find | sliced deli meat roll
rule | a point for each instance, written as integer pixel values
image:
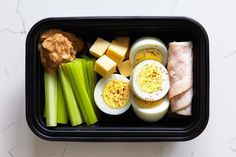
(182, 100)
(185, 111)
(180, 65)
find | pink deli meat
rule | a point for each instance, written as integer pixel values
(182, 100)
(180, 71)
(185, 111)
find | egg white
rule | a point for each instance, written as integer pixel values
(149, 96)
(148, 42)
(151, 114)
(101, 104)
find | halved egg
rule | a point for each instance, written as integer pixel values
(150, 80)
(150, 111)
(113, 95)
(148, 48)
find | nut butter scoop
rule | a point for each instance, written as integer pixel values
(58, 47)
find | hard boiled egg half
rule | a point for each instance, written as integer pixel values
(148, 48)
(150, 111)
(150, 80)
(113, 95)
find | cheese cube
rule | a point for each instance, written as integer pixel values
(99, 47)
(125, 68)
(116, 51)
(105, 66)
(125, 41)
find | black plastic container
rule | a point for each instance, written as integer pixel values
(126, 127)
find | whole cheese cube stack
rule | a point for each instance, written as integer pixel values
(105, 66)
(125, 41)
(125, 68)
(116, 51)
(99, 47)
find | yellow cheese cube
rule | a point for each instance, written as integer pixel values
(99, 47)
(125, 41)
(125, 68)
(116, 51)
(105, 66)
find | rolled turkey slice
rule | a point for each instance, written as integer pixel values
(182, 100)
(180, 67)
(185, 111)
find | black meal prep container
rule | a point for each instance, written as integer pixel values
(126, 127)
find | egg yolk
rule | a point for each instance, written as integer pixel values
(147, 104)
(116, 93)
(148, 54)
(150, 78)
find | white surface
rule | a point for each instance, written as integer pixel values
(218, 18)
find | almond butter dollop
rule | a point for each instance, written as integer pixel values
(57, 46)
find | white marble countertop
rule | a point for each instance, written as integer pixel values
(218, 18)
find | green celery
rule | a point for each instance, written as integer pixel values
(74, 70)
(86, 78)
(92, 81)
(62, 115)
(50, 84)
(91, 74)
(84, 56)
(72, 107)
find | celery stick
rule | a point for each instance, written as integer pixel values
(62, 115)
(84, 56)
(86, 78)
(72, 107)
(92, 80)
(92, 75)
(90, 91)
(74, 70)
(50, 84)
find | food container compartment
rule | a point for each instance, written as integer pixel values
(126, 127)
